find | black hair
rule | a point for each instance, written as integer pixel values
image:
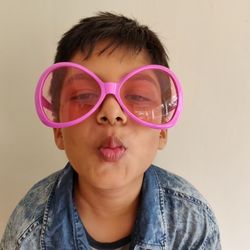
(118, 30)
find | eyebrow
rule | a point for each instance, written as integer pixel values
(144, 76)
(77, 76)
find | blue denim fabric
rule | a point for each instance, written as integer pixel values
(172, 215)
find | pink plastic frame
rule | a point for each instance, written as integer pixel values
(106, 88)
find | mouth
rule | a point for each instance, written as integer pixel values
(112, 149)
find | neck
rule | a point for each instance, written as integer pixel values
(108, 215)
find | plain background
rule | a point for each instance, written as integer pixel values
(208, 42)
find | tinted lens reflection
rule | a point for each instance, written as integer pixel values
(151, 96)
(68, 94)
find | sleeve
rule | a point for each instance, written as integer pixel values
(212, 242)
(8, 241)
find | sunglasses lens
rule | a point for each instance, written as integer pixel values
(69, 93)
(151, 96)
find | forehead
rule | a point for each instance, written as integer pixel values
(113, 63)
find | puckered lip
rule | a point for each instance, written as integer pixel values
(111, 149)
(111, 142)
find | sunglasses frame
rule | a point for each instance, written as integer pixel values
(106, 88)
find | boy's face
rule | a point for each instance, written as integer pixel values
(110, 150)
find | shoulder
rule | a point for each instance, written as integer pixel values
(190, 214)
(28, 214)
(177, 186)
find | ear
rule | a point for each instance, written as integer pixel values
(163, 139)
(58, 137)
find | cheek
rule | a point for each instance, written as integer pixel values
(153, 138)
(153, 144)
(77, 135)
(146, 146)
(75, 142)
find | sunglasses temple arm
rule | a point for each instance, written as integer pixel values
(46, 104)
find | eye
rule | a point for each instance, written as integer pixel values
(137, 98)
(85, 98)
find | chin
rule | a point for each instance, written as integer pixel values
(109, 185)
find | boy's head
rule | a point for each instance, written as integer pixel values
(107, 75)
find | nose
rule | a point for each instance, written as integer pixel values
(111, 112)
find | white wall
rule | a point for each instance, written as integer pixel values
(209, 46)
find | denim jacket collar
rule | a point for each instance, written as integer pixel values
(60, 212)
(150, 224)
(58, 216)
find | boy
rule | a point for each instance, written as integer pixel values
(110, 99)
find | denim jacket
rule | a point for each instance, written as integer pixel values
(171, 215)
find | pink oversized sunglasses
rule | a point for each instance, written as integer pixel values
(68, 93)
